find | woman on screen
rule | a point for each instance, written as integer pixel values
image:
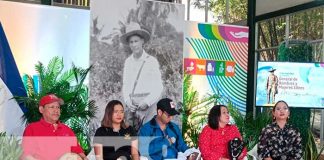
(279, 140)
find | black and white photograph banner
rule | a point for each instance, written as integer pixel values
(136, 50)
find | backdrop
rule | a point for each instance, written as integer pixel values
(164, 21)
(216, 57)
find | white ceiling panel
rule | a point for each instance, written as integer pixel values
(267, 6)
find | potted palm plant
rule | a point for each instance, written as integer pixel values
(195, 111)
(67, 84)
(250, 127)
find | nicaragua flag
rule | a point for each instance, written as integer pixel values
(10, 84)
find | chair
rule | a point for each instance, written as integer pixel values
(254, 153)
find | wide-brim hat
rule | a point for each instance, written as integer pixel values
(272, 70)
(134, 29)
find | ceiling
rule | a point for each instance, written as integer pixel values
(267, 6)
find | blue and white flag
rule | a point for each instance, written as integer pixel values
(10, 85)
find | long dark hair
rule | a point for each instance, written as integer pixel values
(213, 116)
(109, 111)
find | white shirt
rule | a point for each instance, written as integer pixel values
(149, 80)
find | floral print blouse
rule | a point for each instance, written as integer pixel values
(280, 144)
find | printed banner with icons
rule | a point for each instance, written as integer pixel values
(217, 56)
(209, 67)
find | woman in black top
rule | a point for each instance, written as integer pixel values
(279, 140)
(114, 138)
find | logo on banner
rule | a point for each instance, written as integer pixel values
(220, 68)
(210, 67)
(189, 66)
(201, 67)
(230, 69)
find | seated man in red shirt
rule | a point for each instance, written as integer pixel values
(48, 138)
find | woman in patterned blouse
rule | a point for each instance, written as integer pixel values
(279, 140)
(214, 138)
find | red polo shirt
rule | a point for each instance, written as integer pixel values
(43, 142)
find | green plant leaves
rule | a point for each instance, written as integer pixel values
(310, 150)
(195, 111)
(250, 127)
(10, 148)
(69, 85)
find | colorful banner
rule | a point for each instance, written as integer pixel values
(216, 57)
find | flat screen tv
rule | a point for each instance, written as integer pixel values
(299, 84)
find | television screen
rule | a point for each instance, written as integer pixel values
(299, 84)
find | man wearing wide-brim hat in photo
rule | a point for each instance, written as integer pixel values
(134, 29)
(272, 70)
(272, 86)
(48, 138)
(142, 82)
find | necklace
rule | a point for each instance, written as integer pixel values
(236, 155)
(236, 148)
(223, 131)
(222, 128)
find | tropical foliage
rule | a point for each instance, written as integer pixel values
(237, 9)
(10, 148)
(305, 25)
(195, 111)
(295, 51)
(310, 149)
(68, 85)
(250, 127)
(320, 156)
